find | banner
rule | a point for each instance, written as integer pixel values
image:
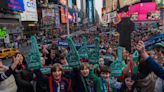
(154, 40)
(73, 57)
(30, 13)
(65, 44)
(90, 12)
(33, 58)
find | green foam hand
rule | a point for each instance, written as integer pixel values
(135, 59)
(119, 53)
(94, 55)
(83, 51)
(73, 57)
(116, 68)
(117, 65)
(33, 58)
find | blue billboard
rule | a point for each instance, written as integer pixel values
(16, 5)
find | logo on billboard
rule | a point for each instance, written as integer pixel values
(31, 4)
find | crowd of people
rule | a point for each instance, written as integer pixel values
(86, 77)
(89, 77)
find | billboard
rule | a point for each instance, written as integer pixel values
(90, 12)
(127, 2)
(48, 17)
(16, 5)
(30, 13)
(78, 3)
(57, 17)
(63, 15)
(70, 4)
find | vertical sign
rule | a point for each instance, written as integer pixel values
(78, 3)
(90, 11)
(63, 15)
(70, 4)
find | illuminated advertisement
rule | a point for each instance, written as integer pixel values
(63, 15)
(30, 13)
(90, 11)
(16, 5)
(48, 17)
(127, 2)
(78, 2)
(70, 4)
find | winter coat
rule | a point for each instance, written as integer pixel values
(50, 85)
(147, 84)
(155, 67)
(8, 85)
(83, 84)
(23, 80)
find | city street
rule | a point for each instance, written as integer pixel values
(23, 49)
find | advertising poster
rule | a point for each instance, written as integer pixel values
(70, 4)
(30, 13)
(57, 18)
(48, 17)
(16, 5)
(78, 3)
(90, 11)
(63, 15)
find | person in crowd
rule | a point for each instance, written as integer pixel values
(63, 60)
(100, 65)
(155, 67)
(128, 85)
(53, 56)
(54, 83)
(107, 83)
(7, 80)
(84, 80)
(22, 75)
